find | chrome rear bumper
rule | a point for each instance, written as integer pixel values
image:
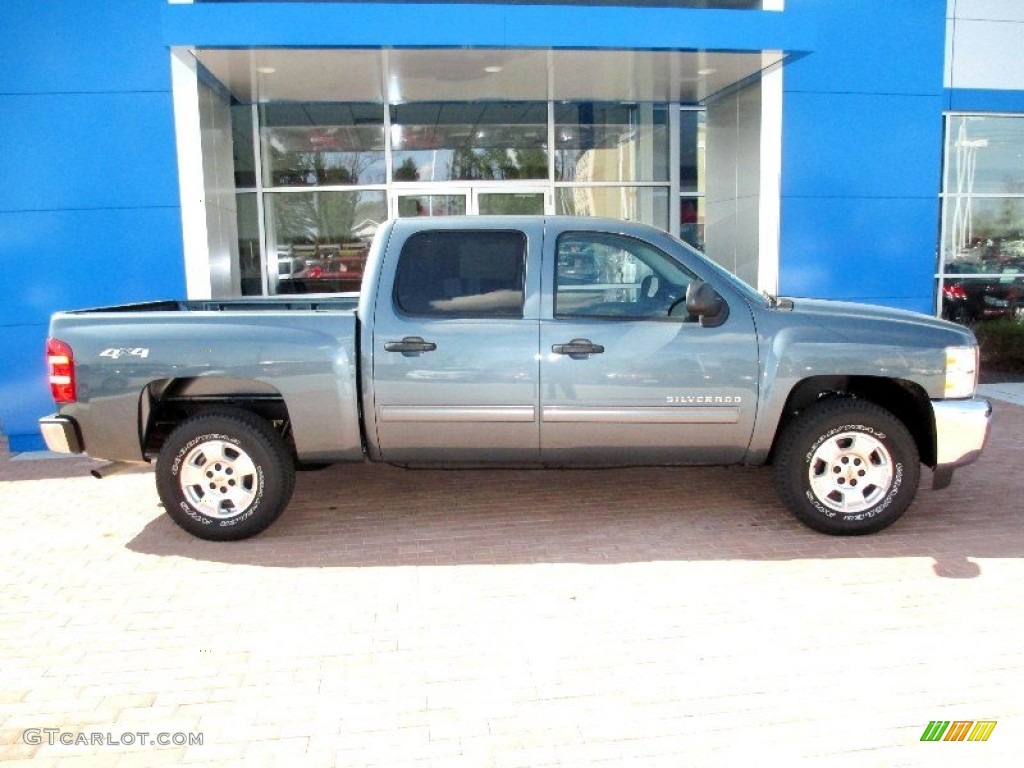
(61, 434)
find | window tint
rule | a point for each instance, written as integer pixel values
(462, 274)
(606, 275)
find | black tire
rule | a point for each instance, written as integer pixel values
(224, 475)
(847, 467)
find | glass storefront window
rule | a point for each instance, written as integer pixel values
(321, 171)
(510, 203)
(249, 269)
(242, 146)
(648, 205)
(597, 141)
(691, 221)
(440, 141)
(431, 205)
(984, 155)
(692, 131)
(981, 259)
(691, 151)
(318, 241)
(986, 232)
(322, 144)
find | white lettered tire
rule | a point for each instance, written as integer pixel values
(847, 467)
(224, 475)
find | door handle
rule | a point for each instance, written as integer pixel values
(577, 349)
(410, 345)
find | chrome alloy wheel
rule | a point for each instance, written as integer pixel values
(850, 472)
(219, 479)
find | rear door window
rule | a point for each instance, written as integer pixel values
(444, 273)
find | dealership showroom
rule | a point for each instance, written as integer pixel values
(155, 149)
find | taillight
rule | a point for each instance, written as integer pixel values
(954, 292)
(62, 371)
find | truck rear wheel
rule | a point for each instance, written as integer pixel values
(224, 475)
(847, 467)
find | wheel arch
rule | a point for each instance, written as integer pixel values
(166, 403)
(905, 400)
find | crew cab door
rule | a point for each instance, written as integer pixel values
(455, 373)
(622, 381)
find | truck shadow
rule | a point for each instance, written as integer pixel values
(380, 516)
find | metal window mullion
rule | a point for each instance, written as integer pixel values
(979, 275)
(982, 195)
(674, 148)
(551, 137)
(261, 217)
(389, 160)
(981, 114)
(658, 184)
(330, 188)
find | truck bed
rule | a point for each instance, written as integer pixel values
(313, 302)
(300, 350)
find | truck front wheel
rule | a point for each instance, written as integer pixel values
(847, 467)
(224, 475)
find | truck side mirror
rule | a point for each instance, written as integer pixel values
(705, 303)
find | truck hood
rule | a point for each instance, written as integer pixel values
(860, 322)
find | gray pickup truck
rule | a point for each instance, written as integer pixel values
(519, 341)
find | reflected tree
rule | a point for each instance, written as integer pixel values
(407, 171)
(497, 164)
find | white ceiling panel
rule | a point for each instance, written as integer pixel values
(488, 74)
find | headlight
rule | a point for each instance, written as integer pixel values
(961, 371)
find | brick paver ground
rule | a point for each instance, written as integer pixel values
(647, 617)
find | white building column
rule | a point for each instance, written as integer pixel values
(202, 123)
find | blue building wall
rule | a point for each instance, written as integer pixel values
(862, 153)
(89, 208)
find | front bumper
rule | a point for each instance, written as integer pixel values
(961, 431)
(61, 434)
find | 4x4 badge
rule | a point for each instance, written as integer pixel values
(116, 352)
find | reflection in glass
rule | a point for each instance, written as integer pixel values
(984, 155)
(691, 221)
(316, 239)
(322, 144)
(249, 269)
(242, 146)
(431, 205)
(983, 233)
(606, 275)
(320, 240)
(648, 205)
(441, 141)
(691, 151)
(598, 141)
(970, 299)
(983, 249)
(510, 203)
